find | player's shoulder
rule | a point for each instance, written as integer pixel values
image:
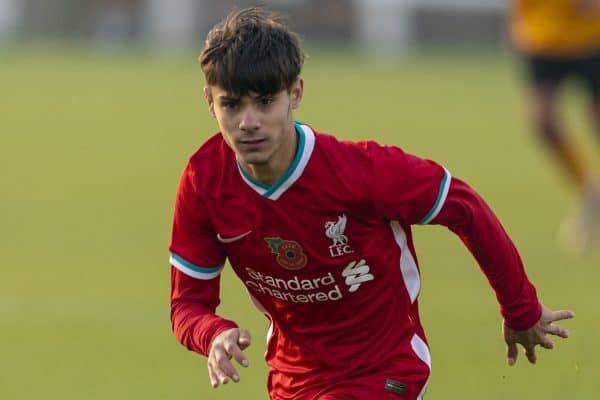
(213, 149)
(201, 164)
(361, 150)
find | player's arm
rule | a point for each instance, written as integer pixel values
(526, 321)
(414, 190)
(193, 306)
(197, 260)
(197, 327)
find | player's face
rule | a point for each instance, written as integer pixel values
(259, 128)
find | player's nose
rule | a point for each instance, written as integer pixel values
(249, 120)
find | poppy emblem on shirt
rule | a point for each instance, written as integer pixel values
(290, 255)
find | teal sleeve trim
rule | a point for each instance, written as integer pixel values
(439, 201)
(193, 267)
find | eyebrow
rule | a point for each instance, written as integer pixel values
(229, 98)
(239, 98)
(262, 96)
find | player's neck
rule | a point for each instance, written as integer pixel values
(271, 171)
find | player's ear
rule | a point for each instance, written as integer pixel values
(296, 92)
(209, 99)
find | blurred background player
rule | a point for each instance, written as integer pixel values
(560, 39)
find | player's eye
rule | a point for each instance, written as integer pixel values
(265, 101)
(230, 105)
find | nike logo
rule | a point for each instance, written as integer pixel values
(233, 238)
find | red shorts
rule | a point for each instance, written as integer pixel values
(403, 377)
(375, 388)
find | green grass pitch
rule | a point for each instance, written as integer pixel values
(91, 147)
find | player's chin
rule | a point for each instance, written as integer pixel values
(254, 157)
(254, 160)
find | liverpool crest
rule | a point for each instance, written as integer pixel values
(334, 230)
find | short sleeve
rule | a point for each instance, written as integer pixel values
(194, 249)
(406, 187)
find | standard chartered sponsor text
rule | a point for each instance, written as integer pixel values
(296, 290)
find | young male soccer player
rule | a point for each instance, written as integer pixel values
(559, 39)
(319, 232)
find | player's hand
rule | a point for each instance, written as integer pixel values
(536, 335)
(227, 345)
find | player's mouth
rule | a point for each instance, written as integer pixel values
(252, 144)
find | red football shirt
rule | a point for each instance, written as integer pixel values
(327, 255)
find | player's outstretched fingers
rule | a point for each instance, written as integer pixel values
(530, 353)
(231, 350)
(236, 352)
(225, 369)
(227, 345)
(223, 378)
(214, 379)
(511, 353)
(244, 339)
(217, 375)
(557, 331)
(547, 344)
(562, 314)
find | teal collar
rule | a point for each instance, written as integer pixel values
(306, 143)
